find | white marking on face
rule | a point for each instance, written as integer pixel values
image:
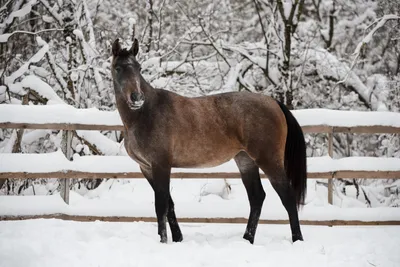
(138, 103)
(137, 80)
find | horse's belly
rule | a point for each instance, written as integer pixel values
(199, 164)
(203, 160)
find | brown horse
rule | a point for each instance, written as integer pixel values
(164, 130)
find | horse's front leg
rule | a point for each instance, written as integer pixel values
(161, 180)
(173, 223)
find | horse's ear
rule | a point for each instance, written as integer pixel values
(135, 48)
(116, 47)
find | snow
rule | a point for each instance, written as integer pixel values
(64, 114)
(230, 84)
(48, 243)
(92, 39)
(87, 50)
(57, 114)
(257, 60)
(53, 11)
(327, 164)
(344, 118)
(131, 25)
(4, 37)
(328, 65)
(79, 34)
(8, 147)
(26, 9)
(32, 136)
(103, 144)
(380, 23)
(37, 163)
(287, 7)
(132, 22)
(34, 59)
(98, 79)
(38, 85)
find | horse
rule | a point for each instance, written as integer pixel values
(163, 130)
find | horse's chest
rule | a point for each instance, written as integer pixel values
(135, 150)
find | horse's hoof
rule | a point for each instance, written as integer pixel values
(163, 239)
(177, 238)
(297, 238)
(249, 238)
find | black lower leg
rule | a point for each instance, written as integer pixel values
(256, 196)
(255, 192)
(160, 183)
(287, 196)
(161, 203)
(252, 224)
(173, 223)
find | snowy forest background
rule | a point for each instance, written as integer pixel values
(332, 54)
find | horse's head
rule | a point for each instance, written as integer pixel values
(126, 74)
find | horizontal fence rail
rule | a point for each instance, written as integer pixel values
(196, 175)
(239, 220)
(68, 118)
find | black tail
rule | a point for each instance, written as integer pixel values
(295, 156)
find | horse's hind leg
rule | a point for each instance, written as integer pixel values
(172, 221)
(255, 192)
(281, 184)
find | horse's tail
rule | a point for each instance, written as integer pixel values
(295, 156)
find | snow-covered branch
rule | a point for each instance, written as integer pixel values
(379, 24)
(4, 37)
(34, 59)
(329, 66)
(53, 12)
(18, 12)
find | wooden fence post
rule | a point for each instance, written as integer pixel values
(66, 147)
(330, 180)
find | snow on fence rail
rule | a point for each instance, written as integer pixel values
(64, 117)
(50, 165)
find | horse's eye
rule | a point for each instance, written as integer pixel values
(118, 68)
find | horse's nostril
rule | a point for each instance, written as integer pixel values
(136, 97)
(133, 97)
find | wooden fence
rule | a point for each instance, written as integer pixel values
(66, 175)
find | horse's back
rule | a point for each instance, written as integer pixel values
(254, 112)
(210, 130)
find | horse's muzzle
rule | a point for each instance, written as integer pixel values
(136, 100)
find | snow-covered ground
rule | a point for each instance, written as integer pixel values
(50, 243)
